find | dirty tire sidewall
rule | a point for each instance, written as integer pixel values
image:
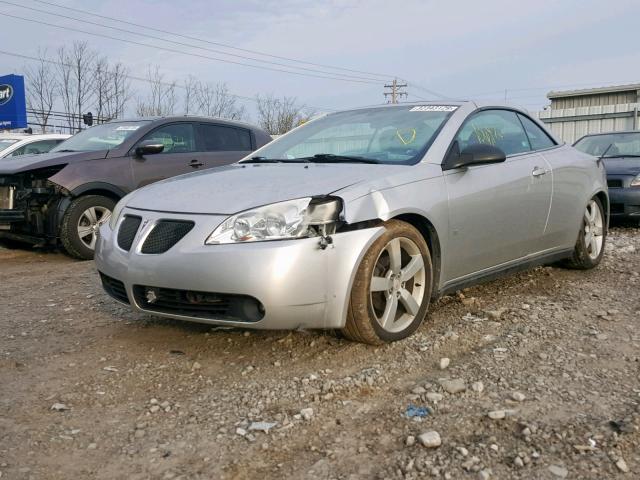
(69, 237)
(580, 258)
(361, 324)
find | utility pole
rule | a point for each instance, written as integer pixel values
(396, 94)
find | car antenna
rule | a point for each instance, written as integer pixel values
(599, 161)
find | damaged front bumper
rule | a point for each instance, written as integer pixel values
(285, 284)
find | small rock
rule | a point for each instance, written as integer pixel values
(497, 414)
(518, 462)
(456, 385)
(518, 397)
(307, 413)
(154, 409)
(418, 390)
(477, 387)
(495, 314)
(241, 431)
(434, 397)
(59, 407)
(543, 356)
(558, 471)
(484, 474)
(410, 441)
(444, 363)
(92, 446)
(430, 439)
(622, 465)
(463, 451)
(262, 426)
(196, 366)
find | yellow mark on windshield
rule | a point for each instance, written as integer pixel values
(411, 133)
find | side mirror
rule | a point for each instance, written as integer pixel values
(148, 147)
(478, 154)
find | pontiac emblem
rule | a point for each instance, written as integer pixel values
(151, 295)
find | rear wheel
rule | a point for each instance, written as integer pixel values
(80, 224)
(591, 239)
(392, 289)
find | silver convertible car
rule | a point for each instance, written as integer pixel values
(356, 220)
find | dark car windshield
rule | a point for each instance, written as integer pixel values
(7, 142)
(100, 137)
(396, 135)
(622, 144)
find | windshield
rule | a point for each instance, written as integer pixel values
(7, 142)
(396, 135)
(622, 144)
(99, 137)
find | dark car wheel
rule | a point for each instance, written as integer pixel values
(80, 224)
(589, 248)
(392, 288)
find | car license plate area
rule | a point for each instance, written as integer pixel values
(6, 198)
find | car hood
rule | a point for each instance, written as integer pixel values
(235, 188)
(25, 163)
(622, 166)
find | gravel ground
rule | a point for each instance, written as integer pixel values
(531, 376)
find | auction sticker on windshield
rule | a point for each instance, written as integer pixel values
(128, 128)
(434, 108)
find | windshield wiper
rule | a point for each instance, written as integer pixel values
(621, 155)
(262, 160)
(331, 158)
(66, 150)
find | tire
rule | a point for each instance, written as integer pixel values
(367, 309)
(587, 255)
(78, 216)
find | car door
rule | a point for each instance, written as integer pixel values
(178, 156)
(223, 144)
(491, 207)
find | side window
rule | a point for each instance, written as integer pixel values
(42, 146)
(538, 138)
(176, 138)
(500, 128)
(220, 138)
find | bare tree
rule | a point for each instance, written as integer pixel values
(279, 115)
(41, 90)
(215, 100)
(189, 97)
(162, 97)
(102, 87)
(75, 76)
(120, 91)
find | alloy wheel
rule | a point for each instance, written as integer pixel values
(593, 230)
(397, 284)
(89, 223)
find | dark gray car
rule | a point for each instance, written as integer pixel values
(65, 195)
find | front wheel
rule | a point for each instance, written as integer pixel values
(80, 224)
(589, 247)
(392, 288)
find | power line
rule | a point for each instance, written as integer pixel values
(113, 19)
(188, 45)
(140, 79)
(4, 15)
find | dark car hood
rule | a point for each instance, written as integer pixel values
(25, 163)
(622, 165)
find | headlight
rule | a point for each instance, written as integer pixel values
(635, 182)
(117, 211)
(278, 221)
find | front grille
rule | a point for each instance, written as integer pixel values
(115, 288)
(165, 235)
(204, 305)
(614, 183)
(127, 231)
(6, 197)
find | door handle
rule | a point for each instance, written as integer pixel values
(195, 163)
(538, 172)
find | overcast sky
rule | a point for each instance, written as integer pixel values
(457, 48)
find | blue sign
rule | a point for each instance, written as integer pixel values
(13, 105)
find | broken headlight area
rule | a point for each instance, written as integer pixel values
(26, 198)
(299, 218)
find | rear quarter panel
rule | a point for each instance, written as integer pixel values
(577, 177)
